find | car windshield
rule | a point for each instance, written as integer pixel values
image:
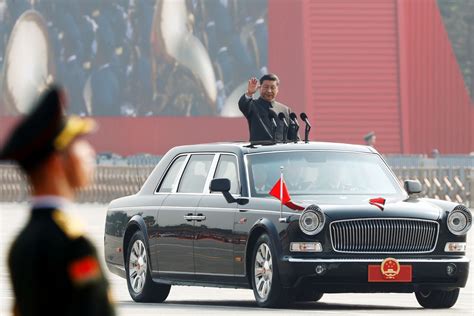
(321, 173)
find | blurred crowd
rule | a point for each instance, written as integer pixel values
(104, 57)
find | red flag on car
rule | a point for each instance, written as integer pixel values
(280, 191)
(379, 202)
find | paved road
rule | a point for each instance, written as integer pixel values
(197, 300)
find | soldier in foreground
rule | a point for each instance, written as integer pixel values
(54, 269)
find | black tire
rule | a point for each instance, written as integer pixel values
(274, 294)
(437, 298)
(308, 295)
(143, 288)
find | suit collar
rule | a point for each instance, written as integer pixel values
(270, 104)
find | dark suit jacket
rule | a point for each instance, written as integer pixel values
(257, 113)
(55, 270)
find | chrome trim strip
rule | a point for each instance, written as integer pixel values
(201, 273)
(212, 208)
(157, 186)
(246, 165)
(210, 173)
(404, 228)
(206, 185)
(405, 260)
(276, 213)
(175, 185)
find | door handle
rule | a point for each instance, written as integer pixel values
(189, 217)
(200, 217)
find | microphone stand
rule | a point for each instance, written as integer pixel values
(274, 125)
(307, 128)
(282, 118)
(294, 127)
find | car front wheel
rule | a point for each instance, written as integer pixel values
(266, 285)
(308, 295)
(437, 298)
(140, 284)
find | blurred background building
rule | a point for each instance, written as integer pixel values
(157, 74)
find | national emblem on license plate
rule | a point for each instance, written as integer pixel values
(390, 270)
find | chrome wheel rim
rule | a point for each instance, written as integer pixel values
(137, 266)
(263, 271)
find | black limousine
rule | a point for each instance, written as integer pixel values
(205, 217)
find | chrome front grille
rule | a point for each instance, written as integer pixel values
(388, 235)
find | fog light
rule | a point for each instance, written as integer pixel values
(451, 269)
(320, 269)
(306, 247)
(455, 247)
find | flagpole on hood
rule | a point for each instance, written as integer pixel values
(281, 219)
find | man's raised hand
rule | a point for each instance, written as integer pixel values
(252, 86)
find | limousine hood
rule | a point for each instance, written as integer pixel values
(346, 206)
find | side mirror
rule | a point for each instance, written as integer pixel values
(223, 186)
(220, 185)
(412, 186)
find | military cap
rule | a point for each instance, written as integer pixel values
(369, 135)
(45, 130)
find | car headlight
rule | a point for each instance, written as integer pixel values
(459, 220)
(312, 220)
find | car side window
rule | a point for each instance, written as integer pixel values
(195, 174)
(171, 179)
(227, 168)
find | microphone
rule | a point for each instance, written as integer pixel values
(307, 128)
(304, 118)
(294, 127)
(272, 116)
(282, 118)
(294, 118)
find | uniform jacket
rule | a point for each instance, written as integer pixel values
(55, 270)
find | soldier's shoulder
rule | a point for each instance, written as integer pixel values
(70, 225)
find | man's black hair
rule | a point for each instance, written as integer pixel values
(271, 77)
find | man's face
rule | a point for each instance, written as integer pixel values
(269, 90)
(79, 163)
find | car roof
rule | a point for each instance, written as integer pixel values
(247, 148)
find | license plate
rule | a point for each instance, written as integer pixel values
(390, 271)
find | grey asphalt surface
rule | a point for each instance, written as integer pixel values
(184, 300)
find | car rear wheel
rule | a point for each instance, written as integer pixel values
(140, 285)
(266, 285)
(437, 298)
